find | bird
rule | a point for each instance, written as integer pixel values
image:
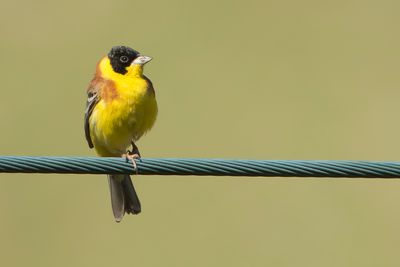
(121, 107)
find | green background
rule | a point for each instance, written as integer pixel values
(234, 79)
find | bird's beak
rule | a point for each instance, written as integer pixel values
(141, 60)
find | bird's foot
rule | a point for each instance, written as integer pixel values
(131, 156)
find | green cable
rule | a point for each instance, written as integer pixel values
(201, 167)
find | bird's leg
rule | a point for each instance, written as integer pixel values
(135, 151)
(133, 155)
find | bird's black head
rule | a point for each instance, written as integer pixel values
(121, 57)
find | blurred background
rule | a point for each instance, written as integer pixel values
(234, 79)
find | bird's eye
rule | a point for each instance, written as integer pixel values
(123, 59)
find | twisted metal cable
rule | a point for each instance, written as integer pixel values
(200, 167)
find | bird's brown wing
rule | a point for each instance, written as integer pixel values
(93, 98)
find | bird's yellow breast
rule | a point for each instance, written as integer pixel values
(125, 112)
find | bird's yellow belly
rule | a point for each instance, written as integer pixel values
(114, 124)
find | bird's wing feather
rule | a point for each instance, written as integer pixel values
(150, 84)
(93, 98)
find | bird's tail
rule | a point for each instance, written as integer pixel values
(123, 196)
